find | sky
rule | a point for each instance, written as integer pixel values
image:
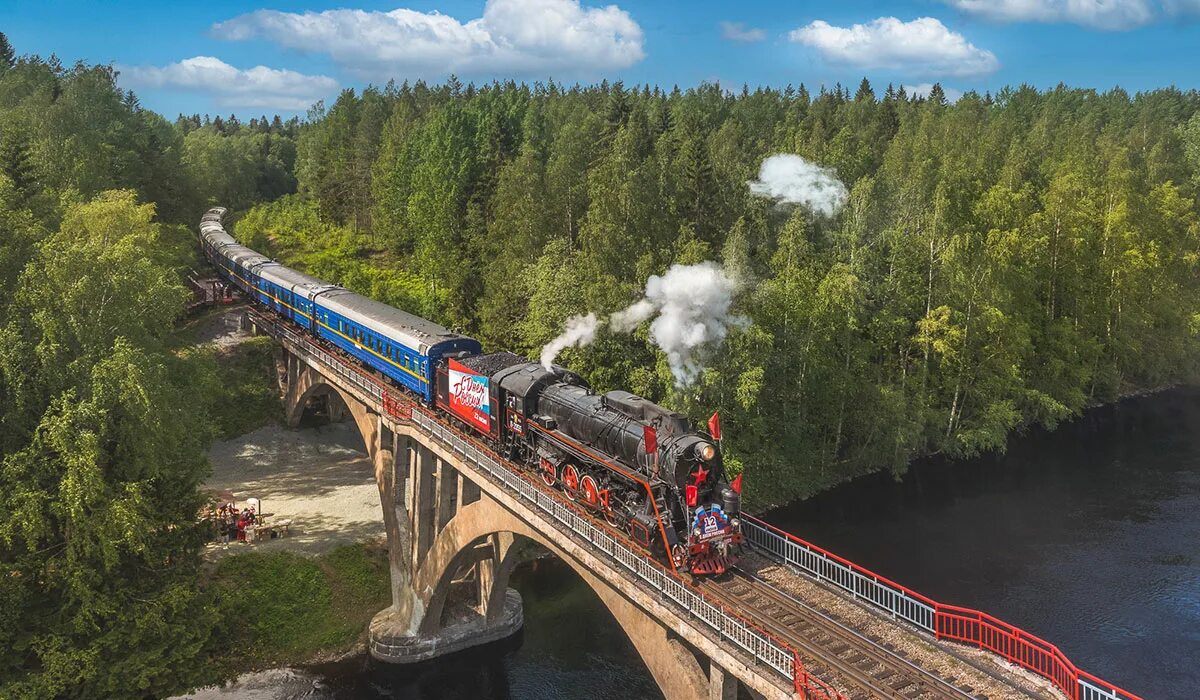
(247, 58)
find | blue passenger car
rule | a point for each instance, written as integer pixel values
(404, 347)
(287, 292)
(401, 346)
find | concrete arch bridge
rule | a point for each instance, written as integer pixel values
(458, 519)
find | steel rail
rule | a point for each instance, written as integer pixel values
(887, 675)
(943, 621)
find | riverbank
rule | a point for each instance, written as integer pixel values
(306, 598)
(1014, 436)
(318, 478)
(283, 608)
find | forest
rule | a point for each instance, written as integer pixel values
(1000, 262)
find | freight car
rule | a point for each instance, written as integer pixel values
(638, 465)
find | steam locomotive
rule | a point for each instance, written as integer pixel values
(640, 466)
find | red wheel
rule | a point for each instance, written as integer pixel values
(570, 477)
(591, 491)
(549, 473)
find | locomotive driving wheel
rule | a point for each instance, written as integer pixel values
(591, 491)
(549, 472)
(570, 478)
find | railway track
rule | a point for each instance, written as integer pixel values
(830, 649)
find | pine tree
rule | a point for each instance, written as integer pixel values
(8, 57)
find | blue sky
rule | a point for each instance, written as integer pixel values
(247, 58)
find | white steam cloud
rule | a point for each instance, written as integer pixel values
(579, 331)
(789, 178)
(690, 307)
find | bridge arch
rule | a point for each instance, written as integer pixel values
(302, 384)
(487, 523)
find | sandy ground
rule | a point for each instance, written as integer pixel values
(220, 328)
(318, 477)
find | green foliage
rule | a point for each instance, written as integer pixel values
(103, 452)
(8, 55)
(236, 386)
(279, 607)
(1002, 261)
(72, 133)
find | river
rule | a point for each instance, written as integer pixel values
(1088, 536)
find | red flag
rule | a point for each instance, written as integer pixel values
(714, 426)
(691, 495)
(651, 438)
(736, 485)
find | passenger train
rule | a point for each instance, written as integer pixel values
(639, 465)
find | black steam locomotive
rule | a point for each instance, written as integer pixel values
(641, 467)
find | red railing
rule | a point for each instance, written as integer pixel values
(810, 687)
(951, 622)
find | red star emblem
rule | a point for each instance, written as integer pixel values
(699, 476)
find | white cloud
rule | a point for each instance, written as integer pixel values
(532, 37)
(786, 177)
(923, 89)
(1112, 15)
(923, 46)
(736, 31)
(1108, 15)
(260, 86)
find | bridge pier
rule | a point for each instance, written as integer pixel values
(420, 625)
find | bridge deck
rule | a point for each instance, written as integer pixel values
(864, 653)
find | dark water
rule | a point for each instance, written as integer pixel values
(1088, 537)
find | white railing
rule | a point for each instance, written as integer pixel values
(762, 648)
(755, 643)
(892, 597)
(942, 621)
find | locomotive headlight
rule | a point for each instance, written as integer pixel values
(706, 451)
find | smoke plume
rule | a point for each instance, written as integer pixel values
(789, 178)
(579, 331)
(690, 308)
